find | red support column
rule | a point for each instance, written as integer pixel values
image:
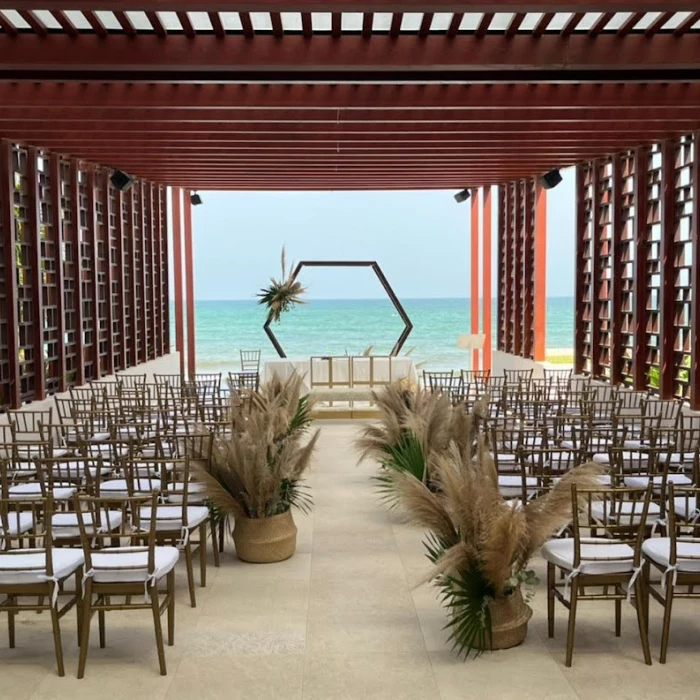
(667, 282)
(164, 292)
(144, 229)
(189, 284)
(526, 265)
(134, 349)
(641, 162)
(540, 310)
(507, 287)
(78, 274)
(7, 182)
(486, 271)
(34, 215)
(107, 214)
(156, 271)
(595, 271)
(119, 231)
(516, 232)
(616, 282)
(177, 271)
(93, 272)
(475, 272)
(695, 282)
(579, 336)
(57, 230)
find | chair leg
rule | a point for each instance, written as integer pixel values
(551, 579)
(666, 629)
(214, 544)
(221, 535)
(203, 555)
(155, 607)
(55, 623)
(190, 574)
(171, 607)
(618, 613)
(79, 601)
(11, 622)
(101, 625)
(85, 628)
(572, 622)
(642, 620)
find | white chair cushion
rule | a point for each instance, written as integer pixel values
(686, 508)
(118, 487)
(627, 513)
(17, 523)
(65, 562)
(511, 486)
(169, 518)
(124, 565)
(641, 481)
(65, 525)
(658, 549)
(99, 437)
(107, 451)
(76, 470)
(611, 558)
(32, 490)
(196, 493)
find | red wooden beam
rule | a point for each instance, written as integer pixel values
(189, 284)
(336, 24)
(158, 26)
(540, 281)
(187, 27)
(57, 231)
(515, 23)
(143, 227)
(600, 24)
(658, 23)
(133, 358)
(525, 266)
(542, 24)
(475, 271)
(572, 23)
(517, 271)
(153, 276)
(641, 248)
(78, 272)
(500, 277)
(164, 281)
(125, 23)
(616, 348)
(7, 185)
(579, 320)
(395, 28)
(425, 24)
(96, 24)
(67, 26)
(34, 234)
(630, 23)
(667, 290)
(483, 26)
(687, 23)
(246, 24)
(595, 271)
(276, 19)
(455, 23)
(107, 215)
(506, 286)
(306, 24)
(157, 271)
(695, 280)
(7, 26)
(216, 24)
(486, 271)
(30, 18)
(177, 273)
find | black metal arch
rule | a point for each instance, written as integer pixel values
(408, 326)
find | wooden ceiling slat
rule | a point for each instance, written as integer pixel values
(246, 23)
(396, 20)
(125, 23)
(67, 26)
(687, 23)
(336, 24)
(542, 23)
(37, 26)
(515, 24)
(306, 24)
(186, 24)
(277, 28)
(572, 23)
(453, 29)
(484, 24)
(7, 26)
(659, 22)
(600, 23)
(158, 26)
(425, 24)
(630, 23)
(367, 24)
(216, 24)
(95, 23)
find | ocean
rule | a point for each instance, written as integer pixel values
(336, 327)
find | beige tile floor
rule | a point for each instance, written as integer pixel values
(341, 620)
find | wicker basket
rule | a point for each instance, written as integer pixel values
(265, 540)
(509, 618)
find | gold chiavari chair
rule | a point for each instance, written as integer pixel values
(242, 387)
(250, 360)
(35, 573)
(612, 559)
(132, 381)
(557, 377)
(517, 377)
(134, 572)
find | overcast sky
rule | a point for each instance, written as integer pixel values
(421, 239)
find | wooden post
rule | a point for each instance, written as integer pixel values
(121, 256)
(109, 273)
(93, 271)
(131, 235)
(641, 163)
(164, 292)
(616, 349)
(516, 270)
(595, 269)
(695, 281)
(78, 272)
(177, 271)
(189, 284)
(540, 281)
(57, 231)
(475, 272)
(486, 271)
(579, 335)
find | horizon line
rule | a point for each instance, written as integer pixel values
(495, 299)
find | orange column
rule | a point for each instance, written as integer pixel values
(486, 271)
(475, 272)
(177, 274)
(189, 287)
(540, 273)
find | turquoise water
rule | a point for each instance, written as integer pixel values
(334, 327)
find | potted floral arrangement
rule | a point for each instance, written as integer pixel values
(281, 294)
(257, 468)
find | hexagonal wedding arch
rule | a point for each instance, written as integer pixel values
(408, 326)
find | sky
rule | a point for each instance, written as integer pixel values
(421, 240)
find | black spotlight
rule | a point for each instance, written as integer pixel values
(121, 180)
(195, 199)
(550, 179)
(462, 196)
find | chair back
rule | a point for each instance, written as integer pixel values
(684, 532)
(22, 525)
(250, 360)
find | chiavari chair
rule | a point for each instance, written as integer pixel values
(517, 377)
(36, 573)
(604, 393)
(557, 377)
(250, 360)
(131, 381)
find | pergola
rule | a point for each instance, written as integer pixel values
(346, 95)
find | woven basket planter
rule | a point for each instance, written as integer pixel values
(265, 540)
(509, 618)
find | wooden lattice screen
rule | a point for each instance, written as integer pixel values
(638, 254)
(83, 274)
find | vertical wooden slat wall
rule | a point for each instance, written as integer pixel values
(83, 274)
(637, 315)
